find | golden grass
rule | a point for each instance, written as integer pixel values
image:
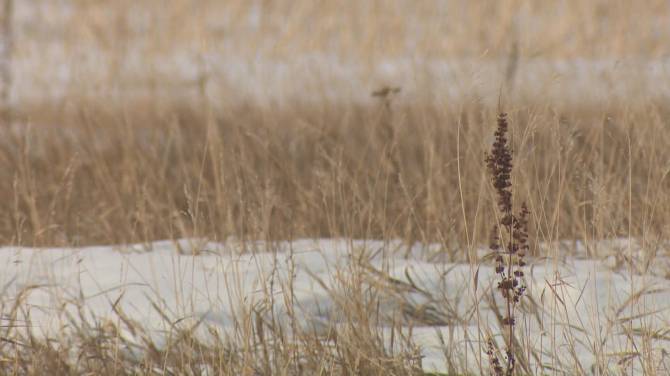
(127, 48)
(83, 168)
(135, 172)
(371, 29)
(156, 165)
(148, 171)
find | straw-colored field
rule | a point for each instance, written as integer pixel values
(229, 124)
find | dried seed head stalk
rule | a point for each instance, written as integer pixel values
(509, 238)
(499, 163)
(494, 362)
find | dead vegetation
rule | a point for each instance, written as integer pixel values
(86, 168)
(142, 172)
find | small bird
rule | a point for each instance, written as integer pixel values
(385, 91)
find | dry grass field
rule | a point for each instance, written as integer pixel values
(138, 121)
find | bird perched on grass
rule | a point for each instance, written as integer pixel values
(385, 92)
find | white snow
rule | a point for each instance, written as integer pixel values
(231, 80)
(581, 303)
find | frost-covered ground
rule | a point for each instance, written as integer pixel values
(580, 308)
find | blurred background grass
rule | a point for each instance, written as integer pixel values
(143, 120)
(245, 50)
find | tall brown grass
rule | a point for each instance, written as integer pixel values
(139, 172)
(154, 162)
(100, 173)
